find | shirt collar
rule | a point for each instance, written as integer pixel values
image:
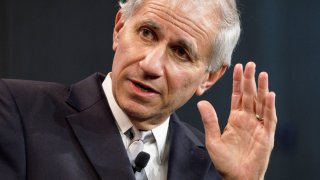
(160, 134)
(122, 120)
(124, 124)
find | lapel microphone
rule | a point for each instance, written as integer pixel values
(141, 161)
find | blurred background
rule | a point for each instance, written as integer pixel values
(67, 40)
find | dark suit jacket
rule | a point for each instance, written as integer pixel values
(52, 131)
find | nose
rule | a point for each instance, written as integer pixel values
(153, 63)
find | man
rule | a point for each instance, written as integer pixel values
(165, 52)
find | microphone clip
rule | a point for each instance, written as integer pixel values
(141, 161)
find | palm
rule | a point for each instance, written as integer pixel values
(241, 146)
(242, 151)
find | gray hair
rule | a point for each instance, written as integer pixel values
(228, 31)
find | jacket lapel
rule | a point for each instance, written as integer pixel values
(94, 127)
(188, 157)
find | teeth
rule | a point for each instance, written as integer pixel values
(143, 89)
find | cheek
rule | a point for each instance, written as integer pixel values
(184, 83)
(121, 57)
(184, 77)
(115, 65)
(181, 88)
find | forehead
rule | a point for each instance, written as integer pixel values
(185, 16)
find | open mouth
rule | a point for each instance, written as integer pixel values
(144, 88)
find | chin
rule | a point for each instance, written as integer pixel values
(137, 112)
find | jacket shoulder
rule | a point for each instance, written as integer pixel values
(199, 134)
(30, 95)
(27, 88)
(29, 85)
(195, 134)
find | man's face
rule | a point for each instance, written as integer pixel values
(161, 57)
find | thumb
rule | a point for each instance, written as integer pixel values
(210, 120)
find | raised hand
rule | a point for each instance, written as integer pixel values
(243, 150)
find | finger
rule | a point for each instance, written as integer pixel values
(210, 120)
(249, 87)
(270, 115)
(263, 90)
(236, 87)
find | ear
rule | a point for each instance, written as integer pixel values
(210, 79)
(119, 22)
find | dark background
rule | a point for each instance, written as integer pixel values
(67, 40)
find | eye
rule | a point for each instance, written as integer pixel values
(146, 34)
(181, 53)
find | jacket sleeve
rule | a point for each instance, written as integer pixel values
(12, 143)
(212, 174)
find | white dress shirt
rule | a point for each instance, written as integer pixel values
(157, 166)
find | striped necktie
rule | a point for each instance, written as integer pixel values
(138, 138)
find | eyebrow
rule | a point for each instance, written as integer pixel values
(151, 24)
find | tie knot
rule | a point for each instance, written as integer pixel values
(138, 139)
(144, 136)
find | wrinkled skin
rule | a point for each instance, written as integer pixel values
(161, 57)
(243, 150)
